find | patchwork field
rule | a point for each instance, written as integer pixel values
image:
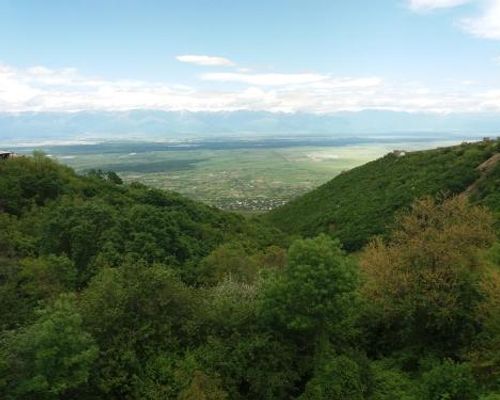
(255, 175)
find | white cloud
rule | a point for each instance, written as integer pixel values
(209, 61)
(14, 91)
(486, 25)
(429, 5)
(264, 79)
(42, 89)
(346, 83)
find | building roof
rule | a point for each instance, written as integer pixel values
(5, 154)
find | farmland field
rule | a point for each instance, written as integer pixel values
(251, 175)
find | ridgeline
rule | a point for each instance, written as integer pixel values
(360, 203)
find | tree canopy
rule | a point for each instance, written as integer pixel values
(119, 291)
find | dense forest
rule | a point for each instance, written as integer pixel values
(382, 284)
(361, 202)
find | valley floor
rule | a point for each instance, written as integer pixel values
(240, 175)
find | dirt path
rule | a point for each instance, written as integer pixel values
(484, 169)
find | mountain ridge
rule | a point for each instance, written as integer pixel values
(156, 124)
(360, 203)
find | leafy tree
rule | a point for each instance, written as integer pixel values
(273, 257)
(340, 377)
(77, 229)
(490, 396)
(314, 293)
(15, 307)
(49, 358)
(391, 383)
(423, 284)
(135, 313)
(114, 178)
(47, 276)
(251, 360)
(9, 233)
(203, 387)
(228, 260)
(169, 298)
(25, 182)
(313, 300)
(26, 282)
(451, 381)
(485, 352)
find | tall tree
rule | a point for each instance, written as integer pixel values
(314, 293)
(423, 283)
(49, 358)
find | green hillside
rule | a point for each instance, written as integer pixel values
(361, 202)
(112, 291)
(95, 220)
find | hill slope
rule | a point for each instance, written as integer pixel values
(115, 291)
(360, 203)
(95, 220)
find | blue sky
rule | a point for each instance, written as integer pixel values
(317, 56)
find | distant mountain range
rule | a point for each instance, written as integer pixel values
(142, 124)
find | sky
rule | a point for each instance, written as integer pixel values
(317, 56)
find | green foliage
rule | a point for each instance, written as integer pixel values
(390, 383)
(49, 358)
(135, 313)
(47, 276)
(252, 361)
(203, 387)
(119, 291)
(12, 241)
(228, 260)
(95, 221)
(449, 381)
(490, 396)
(252, 365)
(316, 289)
(361, 203)
(485, 352)
(487, 189)
(25, 182)
(425, 280)
(77, 229)
(25, 283)
(340, 377)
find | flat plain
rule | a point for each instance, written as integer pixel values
(247, 175)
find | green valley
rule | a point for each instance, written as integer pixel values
(381, 284)
(233, 174)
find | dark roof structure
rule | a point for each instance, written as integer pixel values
(5, 154)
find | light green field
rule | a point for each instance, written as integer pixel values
(242, 179)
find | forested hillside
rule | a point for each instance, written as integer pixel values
(362, 202)
(115, 291)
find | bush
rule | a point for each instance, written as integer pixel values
(449, 381)
(338, 378)
(390, 383)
